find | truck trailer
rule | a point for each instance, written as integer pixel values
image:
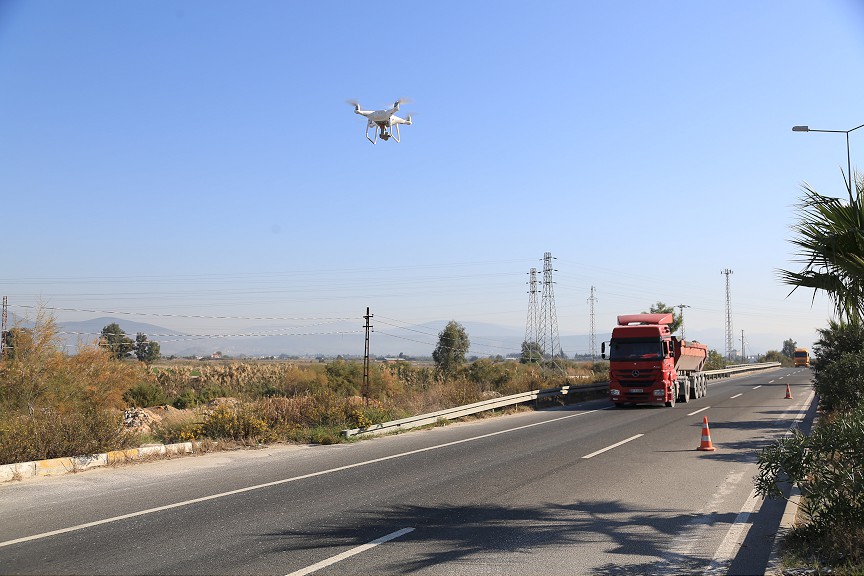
(648, 365)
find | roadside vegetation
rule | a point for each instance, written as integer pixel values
(827, 465)
(54, 404)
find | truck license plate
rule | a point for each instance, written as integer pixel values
(636, 390)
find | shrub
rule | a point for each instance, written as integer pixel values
(237, 422)
(835, 341)
(144, 395)
(840, 385)
(186, 399)
(55, 433)
(183, 429)
(828, 467)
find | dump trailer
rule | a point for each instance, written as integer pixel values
(648, 365)
(801, 357)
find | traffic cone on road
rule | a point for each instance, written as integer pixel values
(706, 444)
(788, 392)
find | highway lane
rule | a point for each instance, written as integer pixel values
(512, 495)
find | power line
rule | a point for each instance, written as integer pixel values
(198, 317)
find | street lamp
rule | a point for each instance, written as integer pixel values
(848, 156)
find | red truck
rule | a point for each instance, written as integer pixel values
(648, 365)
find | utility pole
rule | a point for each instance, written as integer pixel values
(366, 358)
(729, 338)
(743, 355)
(681, 315)
(3, 327)
(592, 333)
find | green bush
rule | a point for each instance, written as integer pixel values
(828, 468)
(144, 395)
(835, 341)
(840, 385)
(186, 399)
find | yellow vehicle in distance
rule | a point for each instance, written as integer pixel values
(801, 357)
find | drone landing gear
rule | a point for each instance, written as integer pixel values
(383, 132)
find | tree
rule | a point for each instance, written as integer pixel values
(788, 349)
(830, 241)
(114, 339)
(715, 361)
(531, 352)
(145, 350)
(774, 356)
(452, 346)
(661, 308)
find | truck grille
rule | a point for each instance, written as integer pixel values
(636, 377)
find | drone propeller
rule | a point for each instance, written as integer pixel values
(353, 103)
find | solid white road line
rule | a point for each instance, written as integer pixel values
(735, 396)
(352, 552)
(283, 481)
(612, 446)
(736, 535)
(700, 410)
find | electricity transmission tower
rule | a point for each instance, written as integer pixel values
(730, 345)
(592, 332)
(681, 316)
(549, 341)
(532, 326)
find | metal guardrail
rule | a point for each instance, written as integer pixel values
(521, 398)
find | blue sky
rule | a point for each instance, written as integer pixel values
(184, 159)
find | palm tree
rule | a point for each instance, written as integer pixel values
(830, 241)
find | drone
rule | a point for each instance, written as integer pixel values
(383, 121)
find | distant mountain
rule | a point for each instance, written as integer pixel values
(88, 331)
(347, 339)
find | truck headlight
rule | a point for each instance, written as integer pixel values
(615, 392)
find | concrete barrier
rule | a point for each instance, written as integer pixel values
(55, 466)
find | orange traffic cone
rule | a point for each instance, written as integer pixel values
(788, 393)
(706, 444)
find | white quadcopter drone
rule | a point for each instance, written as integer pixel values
(382, 120)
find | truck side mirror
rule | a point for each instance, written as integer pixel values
(603, 350)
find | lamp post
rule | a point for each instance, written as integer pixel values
(848, 155)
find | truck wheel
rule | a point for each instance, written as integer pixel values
(695, 390)
(704, 386)
(671, 403)
(684, 397)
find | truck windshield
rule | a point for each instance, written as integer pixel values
(634, 350)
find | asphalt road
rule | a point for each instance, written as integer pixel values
(581, 489)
